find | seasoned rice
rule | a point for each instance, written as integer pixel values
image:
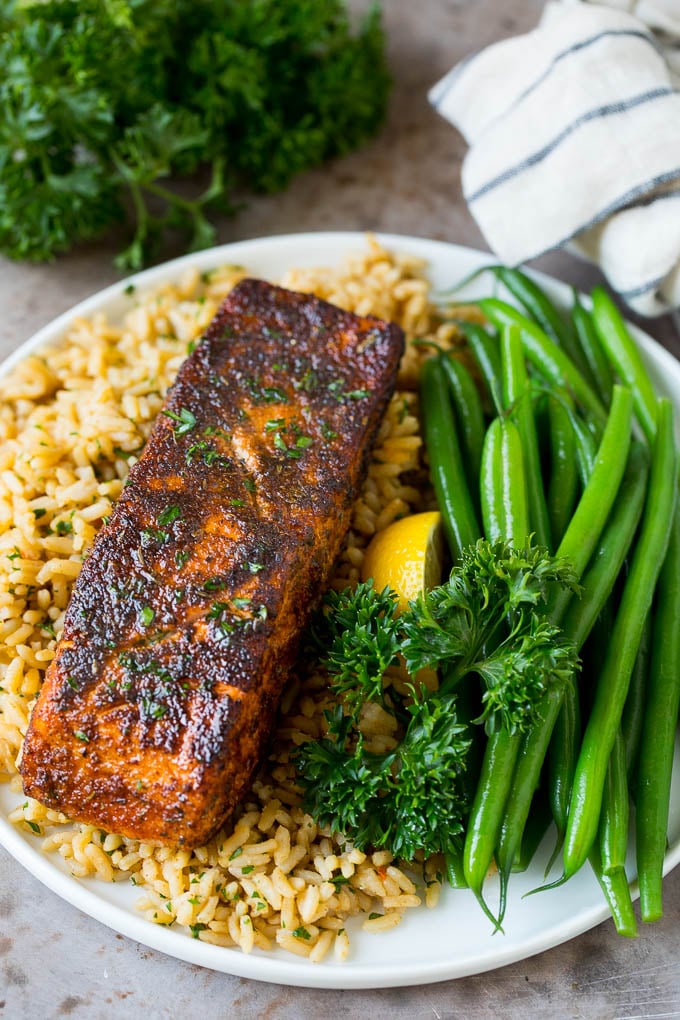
(72, 423)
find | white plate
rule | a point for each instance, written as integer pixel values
(454, 939)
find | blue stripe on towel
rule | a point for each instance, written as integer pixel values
(598, 113)
(627, 200)
(583, 44)
(660, 197)
(440, 91)
(634, 292)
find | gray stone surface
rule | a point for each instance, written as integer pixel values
(55, 961)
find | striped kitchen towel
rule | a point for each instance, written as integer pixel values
(574, 134)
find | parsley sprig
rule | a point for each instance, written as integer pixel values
(488, 621)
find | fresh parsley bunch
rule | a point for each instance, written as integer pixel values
(101, 100)
(488, 620)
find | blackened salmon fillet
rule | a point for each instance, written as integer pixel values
(185, 620)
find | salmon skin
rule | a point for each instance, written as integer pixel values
(184, 623)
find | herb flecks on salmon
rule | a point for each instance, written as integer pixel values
(185, 620)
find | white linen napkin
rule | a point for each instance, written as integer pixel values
(574, 134)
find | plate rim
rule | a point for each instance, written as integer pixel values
(279, 967)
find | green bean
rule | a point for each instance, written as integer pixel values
(487, 811)
(613, 681)
(537, 825)
(468, 708)
(624, 355)
(455, 872)
(517, 402)
(541, 309)
(505, 515)
(594, 652)
(634, 709)
(592, 350)
(593, 508)
(606, 561)
(487, 357)
(530, 755)
(563, 485)
(545, 355)
(586, 448)
(613, 829)
(562, 754)
(655, 760)
(469, 416)
(505, 510)
(446, 463)
(610, 855)
(617, 893)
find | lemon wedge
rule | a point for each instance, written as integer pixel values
(406, 555)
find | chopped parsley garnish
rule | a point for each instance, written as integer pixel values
(147, 616)
(40, 512)
(186, 421)
(208, 454)
(63, 528)
(264, 394)
(249, 484)
(337, 389)
(248, 868)
(297, 447)
(273, 424)
(73, 683)
(213, 430)
(170, 514)
(214, 584)
(181, 556)
(152, 709)
(33, 826)
(255, 568)
(274, 395)
(307, 382)
(154, 535)
(126, 454)
(327, 432)
(237, 853)
(301, 933)
(241, 603)
(80, 735)
(216, 610)
(48, 626)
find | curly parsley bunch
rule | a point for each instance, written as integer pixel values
(100, 100)
(484, 628)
